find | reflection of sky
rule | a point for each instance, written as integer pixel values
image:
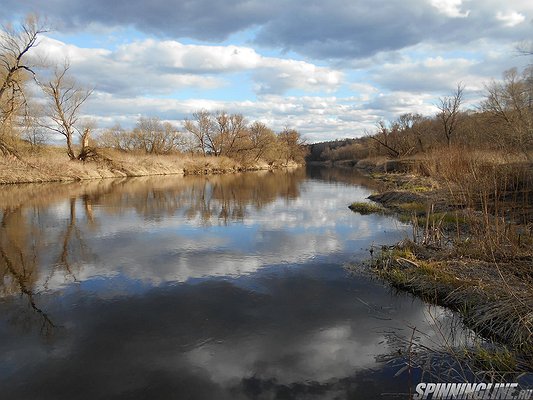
(286, 328)
(177, 248)
(175, 307)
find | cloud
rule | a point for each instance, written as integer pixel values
(201, 19)
(163, 67)
(318, 118)
(328, 69)
(450, 8)
(344, 29)
(397, 103)
(145, 77)
(432, 74)
(128, 71)
(351, 30)
(511, 18)
(276, 76)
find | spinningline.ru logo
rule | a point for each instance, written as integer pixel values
(460, 391)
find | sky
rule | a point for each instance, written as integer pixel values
(330, 69)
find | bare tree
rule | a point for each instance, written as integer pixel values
(382, 137)
(511, 102)
(263, 141)
(65, 100)
(15, 43)
(449, 107)
(409, 133)
(292, 145)
(155, 137)
(32, 121)
(118, 138)
(525, 48)
(15, 71)
(200, 127)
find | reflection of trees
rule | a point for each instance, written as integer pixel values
(40, 241)
(229, 196)
(342, 175)
(72, 241)
(19, 249)
(225, 197)
(23, 237)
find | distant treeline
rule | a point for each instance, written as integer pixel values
(503, 121)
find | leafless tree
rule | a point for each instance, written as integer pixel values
(511, 102)
(32, 124)
(263, 141)
(449, 112)
(15, 70)
(15, 43)
(200, 127)
(155, 137)
(382, 137)
(230, 134)
(118, 138)
(65, 100)
(525, 48)
(292, 145)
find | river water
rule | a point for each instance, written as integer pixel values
(218, 287)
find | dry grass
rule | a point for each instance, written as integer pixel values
(494, 299)
(51, 164)
(475, 243)
(494, 192)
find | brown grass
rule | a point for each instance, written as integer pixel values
(475, 242)
(51, 164)
(494, 191)
(494, 299)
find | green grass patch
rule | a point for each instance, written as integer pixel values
(486, 359)
(418, 208)
(447, 220)
(365, 208)
(427, 271)
(421, 189)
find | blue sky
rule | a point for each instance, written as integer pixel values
(331, 69)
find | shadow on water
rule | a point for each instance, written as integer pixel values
(219, 287)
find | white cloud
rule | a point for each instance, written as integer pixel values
(430, 74)
(510, 18)
(343, 98)
(164, 67)
(275, 75)
(450, 8)
(318, 118)
(130, 71)
(131, 82)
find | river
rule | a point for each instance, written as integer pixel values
(203, 287)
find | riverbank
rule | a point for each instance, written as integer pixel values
(52, 165)
(471, 248)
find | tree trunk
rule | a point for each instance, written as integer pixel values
(70, 150)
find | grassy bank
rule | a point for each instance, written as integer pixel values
(51, 164)
(471, 248)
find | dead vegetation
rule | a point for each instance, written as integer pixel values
(471, 247)
(52, 164)
(495, 299)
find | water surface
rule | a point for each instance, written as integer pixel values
(219, 287)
